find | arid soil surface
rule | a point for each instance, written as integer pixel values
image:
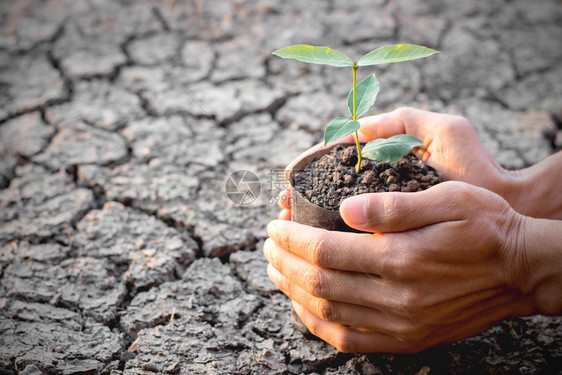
(120, 121)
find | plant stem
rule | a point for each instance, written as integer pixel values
(358, 165)
(359, 157)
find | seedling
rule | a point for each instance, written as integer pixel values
(362, 96)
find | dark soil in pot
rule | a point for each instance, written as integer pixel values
(330, 179)
(321, 181)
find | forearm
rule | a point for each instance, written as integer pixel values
(536, 191)
(540, 257)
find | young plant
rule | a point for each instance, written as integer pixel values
(362, 96)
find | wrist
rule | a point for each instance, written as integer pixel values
(519, 189)
(513, 186)
(538, 260)
(533, 191)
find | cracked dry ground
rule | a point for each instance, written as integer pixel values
(120, 120)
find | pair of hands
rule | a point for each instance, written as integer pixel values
(441, 265)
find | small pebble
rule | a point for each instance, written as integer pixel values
(368, 177)
(413, 185)
(349, 155)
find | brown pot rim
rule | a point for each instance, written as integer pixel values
(305, 212)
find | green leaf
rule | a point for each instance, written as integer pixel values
(314, 55)
(390, 149)
(338, 128)
(395, 53)
(366, 95)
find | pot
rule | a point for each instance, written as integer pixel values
(305, 212)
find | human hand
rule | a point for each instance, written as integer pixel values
(450, 145)
(446, 263)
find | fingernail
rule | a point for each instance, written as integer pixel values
(271, 230)
(267, 248)
(354, 210)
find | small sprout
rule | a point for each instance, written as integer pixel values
(362, 96)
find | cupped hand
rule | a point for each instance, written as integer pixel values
(446, 263)
(450, 145)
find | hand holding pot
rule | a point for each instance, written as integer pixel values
(452, 146)
(445, 264)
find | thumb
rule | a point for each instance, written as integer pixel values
(397, 212)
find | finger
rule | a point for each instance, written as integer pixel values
(285, 215)
(325, 283)
(405, 120)
(396, 212)
(285, 199)
(337, 250)
(395, 257)
(388, 255)
(348, 340)
(335, 311)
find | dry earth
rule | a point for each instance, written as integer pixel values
(121, 120)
